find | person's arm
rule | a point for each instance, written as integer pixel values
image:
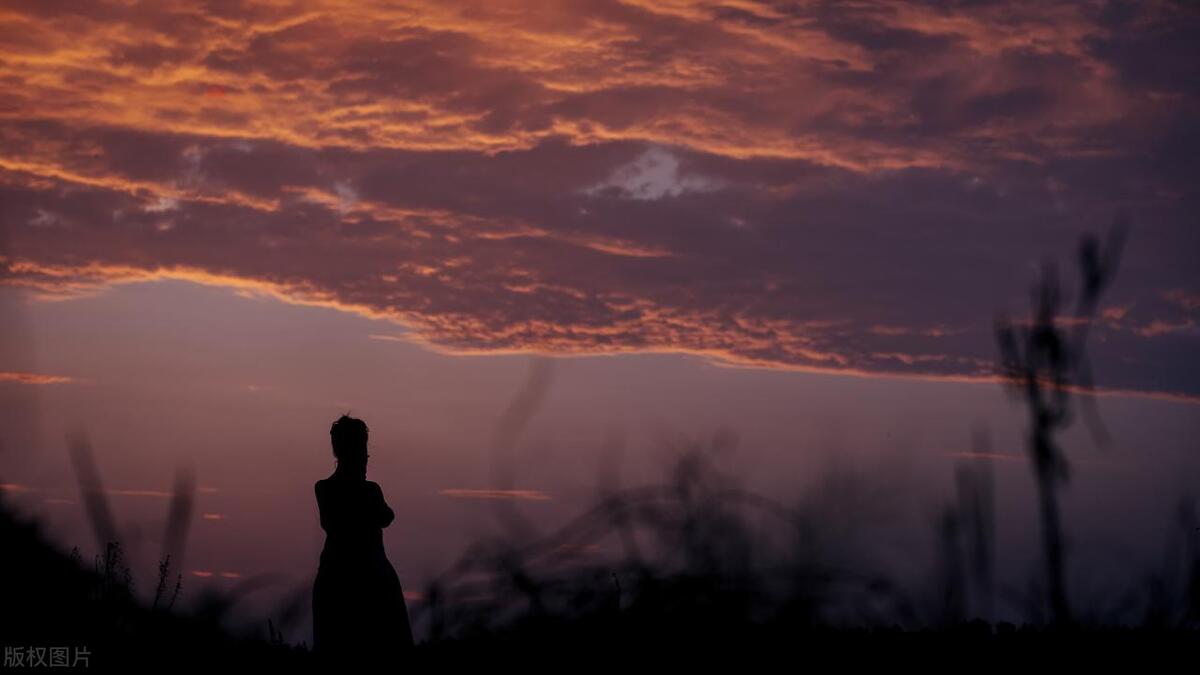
(321, 506)
(332, 511)
(386, 515)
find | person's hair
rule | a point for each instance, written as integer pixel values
(348, 435)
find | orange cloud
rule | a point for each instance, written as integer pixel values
(17, 488)
(159, 494)
(33, 378)
(317, 76)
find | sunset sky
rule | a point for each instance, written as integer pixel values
(792, 224)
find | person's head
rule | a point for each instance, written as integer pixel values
(349, 439)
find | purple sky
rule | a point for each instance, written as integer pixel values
(222, 225)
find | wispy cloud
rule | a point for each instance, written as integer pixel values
(465, 493)
(33, 378)
(211, 574)
(17, 488)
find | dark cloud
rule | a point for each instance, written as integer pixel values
(850, 190)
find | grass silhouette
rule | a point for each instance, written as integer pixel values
(1044, 363)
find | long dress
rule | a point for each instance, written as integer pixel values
(359, 613)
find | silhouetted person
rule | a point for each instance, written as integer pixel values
(359, 614)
